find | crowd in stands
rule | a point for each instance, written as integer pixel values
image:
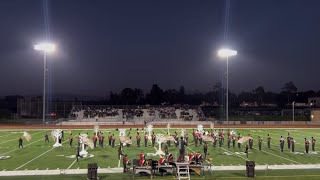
(130, 112)
(167, 113)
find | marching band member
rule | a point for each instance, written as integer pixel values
(145, 136)
(198, 158)
(306, 143)
(170, 158)
(292, 144)
(191, 158)
(288, 140)
(281, 143)
(268, 140)
(259, 142)
(142, 159)
(205, 150)
(162, 160)
(125, 162)
(313, 143)
(233, 137)
(138, 139)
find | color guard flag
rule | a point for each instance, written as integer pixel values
(244, 139)
(88, 142)
(27, 136)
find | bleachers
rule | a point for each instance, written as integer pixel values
(107, 113)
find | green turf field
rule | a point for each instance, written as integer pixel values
(37, 154)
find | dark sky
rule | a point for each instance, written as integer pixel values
(110, 45)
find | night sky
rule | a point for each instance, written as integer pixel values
(110, 45)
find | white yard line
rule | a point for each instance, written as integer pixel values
(16, 139)
(33, 159)
(296, 148)
(72, 164)
(66, 141)
(278, 155)
(18, 148)
(281, 156)
(234, 153)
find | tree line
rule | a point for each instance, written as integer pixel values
(157, 96)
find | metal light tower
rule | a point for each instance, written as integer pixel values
(226, 53)
(45, 48)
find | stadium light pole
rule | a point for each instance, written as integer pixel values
(226, 53)
(45, 48)
(293, 111)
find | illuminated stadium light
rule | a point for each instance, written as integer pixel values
(45, 47)
(227, 53)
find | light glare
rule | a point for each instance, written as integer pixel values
(227, 52)
(45, 47)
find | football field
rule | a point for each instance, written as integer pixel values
(39, 155)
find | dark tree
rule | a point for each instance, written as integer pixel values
(289, 89)
(155, 97)
(259, 92)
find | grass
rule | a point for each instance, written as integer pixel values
(37, 154)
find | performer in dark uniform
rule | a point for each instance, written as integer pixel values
(113, 140)
(247, 151)
(78, 153)
(229, 141)
(259, 142)
(281, 143)
(268, 140)
(62, 135)
(182, 148)
(153, 139)
(94, 139)
(288, 140)
(313, 143)
(46, 138)
(138, 139)
(306, 143)
(109, 139)
(70, 140)
(120, 152)
(250, 142)
(292, 144)
(125, 162)
(145, 137)
(196, 139)
(220, 141)
(205, 150)
(239, 144)
(233, 140)
(20, 143)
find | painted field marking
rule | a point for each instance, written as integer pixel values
(33, 159)
(40, 155)
(72, 164)
(233, 153)
(6, 135)
(18, 138)
(296, 147)
(279, 156)
(18, 148)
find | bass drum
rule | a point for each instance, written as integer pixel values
(148, 162)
